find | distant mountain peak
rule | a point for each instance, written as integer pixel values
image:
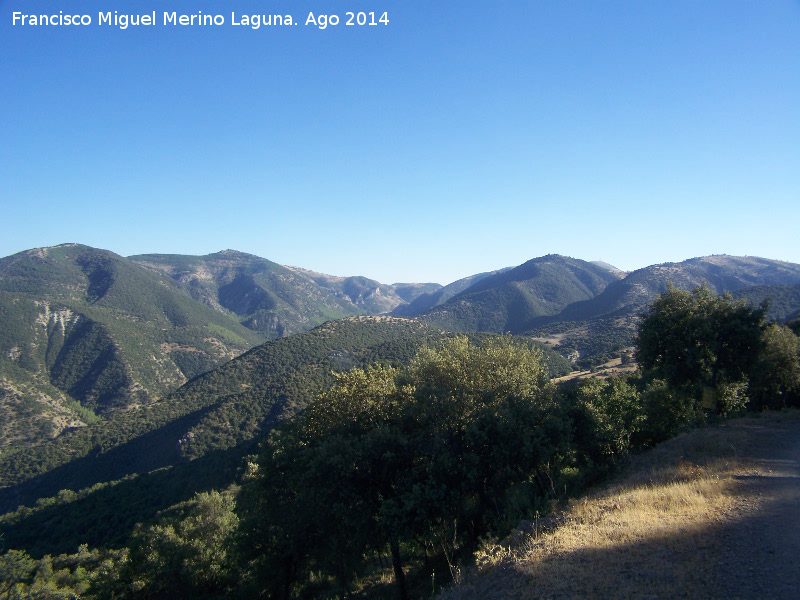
(608, 267)
(230, 252)
(43, 251)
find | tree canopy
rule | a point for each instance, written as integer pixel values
(702, 344)
(432, 454)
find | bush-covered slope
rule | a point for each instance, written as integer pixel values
(720, 273)
(784, 300)
(264, 296)
(366, 294)
(607, 322)
(426, 301)
(193, 440)
(196, 438)
(511, 300)
(684, 520)
(103, 331)
(32, 410)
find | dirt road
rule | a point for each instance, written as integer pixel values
(759, 549)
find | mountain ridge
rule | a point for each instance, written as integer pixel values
(510, 299)
(86, 332)
(368, 294)
(723, 273)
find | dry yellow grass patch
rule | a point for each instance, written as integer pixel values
(610, 547)
(663, 530)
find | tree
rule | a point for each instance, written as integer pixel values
(388, 458)
(321, 481)
(482, 426)
(188, 554)
(16, 570)
(63, 577)
(613, 408)
(702, 344)
(776, 377)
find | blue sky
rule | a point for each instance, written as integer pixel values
(462, 137)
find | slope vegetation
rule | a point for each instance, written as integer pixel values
(264, 296)
(511, 300)
(196, 438)
(367, 294)
(102, 331)
(192, 440)
(596, 327)
(426, 301)
(784, 300)
(721, 273)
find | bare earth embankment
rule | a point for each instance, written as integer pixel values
(712, 514)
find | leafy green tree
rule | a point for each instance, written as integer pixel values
(702, 344)
(54, 578)
(667, 411)
(776, 378)
(614, 407)
(188, 554)
(432, 454)
(321, 479)
(363, 450)
(483, 426)
(16, 570)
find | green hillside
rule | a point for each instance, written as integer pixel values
(597, 327)
(411, 291)
(720, 273)
(426, 301)
(103, 332)
(32, 409)
(511, 300)
(193, 440)
(106, 470)
(264, 296)
(784, 300)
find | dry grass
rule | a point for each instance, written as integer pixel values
(659, 531)
(613, 367)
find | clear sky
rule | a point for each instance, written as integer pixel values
(464, 136)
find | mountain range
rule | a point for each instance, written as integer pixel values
(607, 322)
(153, 376)
(86, 332)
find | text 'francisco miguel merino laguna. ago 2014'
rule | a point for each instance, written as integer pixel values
(197, 20)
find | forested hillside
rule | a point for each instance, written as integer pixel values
(85, 332)
(393, 477)
(509, 301)
(196, 438)
(599, 327)
(721, 273)
(264, 296)
(429, 300)
(369, 295)
(784, 300)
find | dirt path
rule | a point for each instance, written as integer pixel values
(759, 550)
(732, 532)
